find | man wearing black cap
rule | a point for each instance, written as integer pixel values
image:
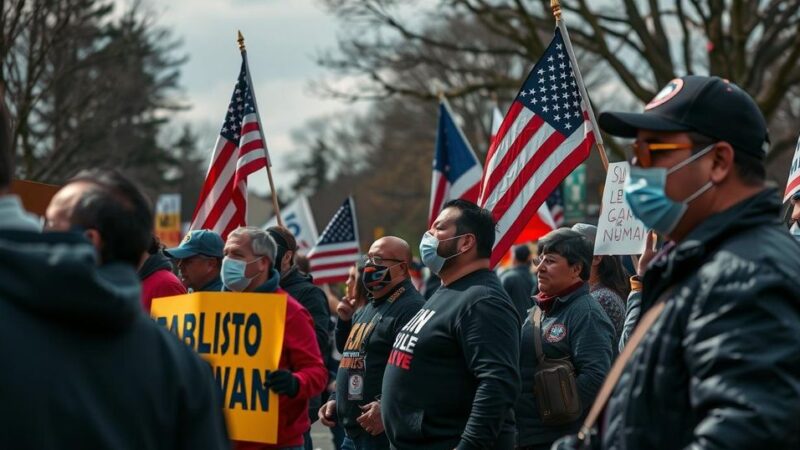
(719, 366)
(199, 259)
(518, 280)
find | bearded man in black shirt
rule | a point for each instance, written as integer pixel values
(453, 374)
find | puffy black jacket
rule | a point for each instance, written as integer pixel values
(720, 368)
(84, 366)
(315, 301)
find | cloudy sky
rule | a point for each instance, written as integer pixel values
(282, 38)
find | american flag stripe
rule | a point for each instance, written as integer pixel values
(337, 248)
(239, 151)
(544, 136)
(516, 221)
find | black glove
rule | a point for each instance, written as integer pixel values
(283, 382)
(571, 442)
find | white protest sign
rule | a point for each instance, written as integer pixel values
(793, 184)
(298, 219)
(618, 230)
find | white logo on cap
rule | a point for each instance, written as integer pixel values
(670, 90)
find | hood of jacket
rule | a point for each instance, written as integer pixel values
(271, 285)
(154, 263)
(56, 276)
(293, 276)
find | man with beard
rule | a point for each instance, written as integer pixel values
(453, 373)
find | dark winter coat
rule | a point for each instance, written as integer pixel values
(720, 367)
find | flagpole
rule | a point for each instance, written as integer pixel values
(240, 40)
(556, 7)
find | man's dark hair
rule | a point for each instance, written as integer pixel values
(6, 155)
(751, 170)
(477, 221)
(573, 246)
(119, 211)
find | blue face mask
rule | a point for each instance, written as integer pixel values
(232, 272)
(795, 231)
(428, 252)
(644, 191)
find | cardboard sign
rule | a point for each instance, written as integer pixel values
(241, 336)
(618, 230)
(793, 184)
(35, 196)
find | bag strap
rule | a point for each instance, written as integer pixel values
(536, 320)
(615, 373)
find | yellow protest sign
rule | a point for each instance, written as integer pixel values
(241, 336)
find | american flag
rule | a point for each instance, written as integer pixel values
(555, 203)
(543, 222)
(337, 248)
(240, 151)
(544, 136)
(456, 169)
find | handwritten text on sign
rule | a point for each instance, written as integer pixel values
(241, 336)
(618, 230)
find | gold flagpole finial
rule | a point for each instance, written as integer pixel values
(556, 7)
(240, 40)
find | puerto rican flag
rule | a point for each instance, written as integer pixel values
(456, 169)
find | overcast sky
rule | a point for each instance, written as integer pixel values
(282, 38)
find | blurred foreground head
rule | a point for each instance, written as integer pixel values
(109, 209)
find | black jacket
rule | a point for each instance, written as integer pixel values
(720, 368)
(83, 365)
(315, 301)
(518, 283)
(576, 327)
(366, 352)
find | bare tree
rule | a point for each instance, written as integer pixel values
(629, 48)
(87, 89)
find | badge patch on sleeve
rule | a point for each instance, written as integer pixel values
(556, 333)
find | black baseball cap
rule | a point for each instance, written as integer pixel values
(710, 106)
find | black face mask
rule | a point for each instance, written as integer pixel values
(376, 277)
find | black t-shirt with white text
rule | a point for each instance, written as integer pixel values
(453, 374)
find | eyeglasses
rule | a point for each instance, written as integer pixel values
(642, 150)
(377, 260)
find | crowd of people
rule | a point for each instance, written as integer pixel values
(695, 345)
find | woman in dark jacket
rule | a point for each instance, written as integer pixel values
(574, 327)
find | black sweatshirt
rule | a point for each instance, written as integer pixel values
(453, 374)
(372, 333)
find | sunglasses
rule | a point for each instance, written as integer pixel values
(642, 151)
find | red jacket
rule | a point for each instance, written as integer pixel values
(161, 283)
(301, 355)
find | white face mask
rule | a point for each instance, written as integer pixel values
(232, 273)
(429, 252)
